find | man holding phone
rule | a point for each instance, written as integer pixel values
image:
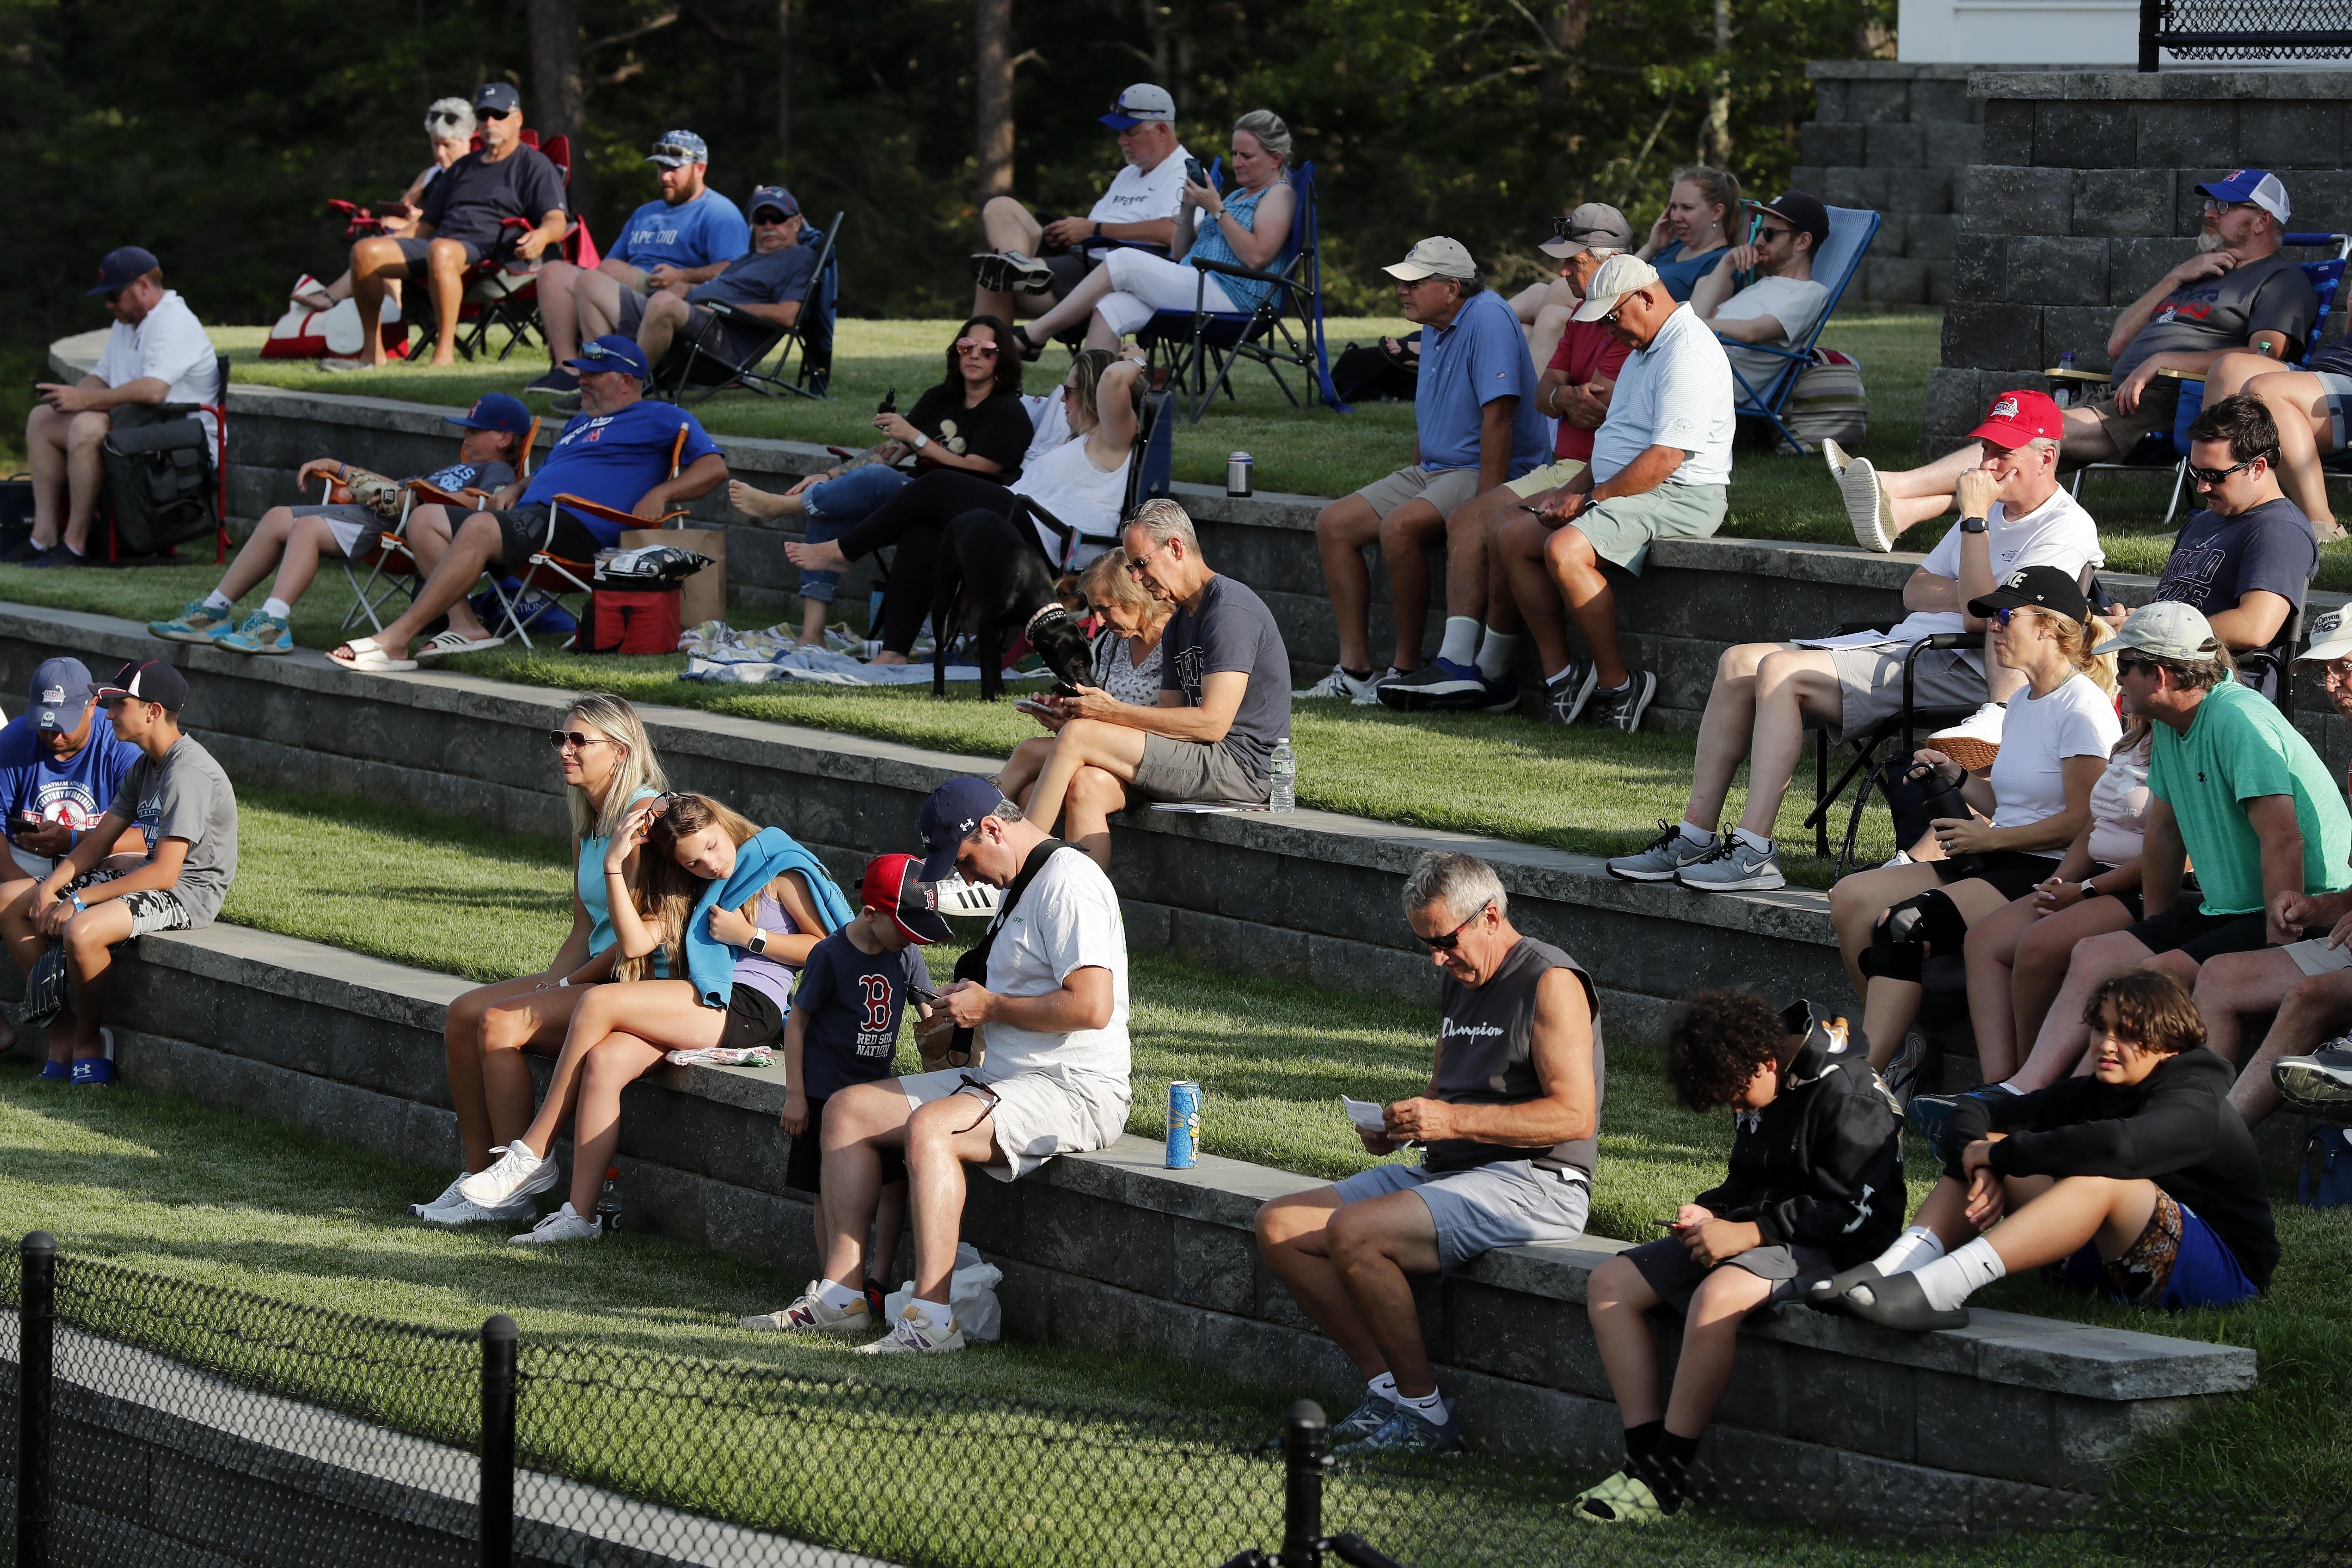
(58, 769)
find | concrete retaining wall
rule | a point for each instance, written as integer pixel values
(1892, 135)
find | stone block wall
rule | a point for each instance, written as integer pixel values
(1893, 136)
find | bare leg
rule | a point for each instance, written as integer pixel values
(2306, 428)
(2316, 1007)
(942, 1138)
(532, 1021)
(859, 1122)
(89, 939)
(1292, 1235)
(1075, 307)
(85, 476)
(1710, 1341)
(666, 315)
(558, 314)
(1992, 957)
(45, 455)
(666, 1014)
(2235, 984)
(375, 263)
(1005, 225)
(1523, 543)
(1617, 1301)
(1341, 531)
(618, 1061)
(597, 298)
(477, 543)
(1404, 534)
(1376, 1247)
(1576, 571)
(1793, 686)
(261, 550)
(1086, 819)
(1113, 747)
(446, 258)
(2063, 1037)
(461, 1042)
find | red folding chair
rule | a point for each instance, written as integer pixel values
(504, 292)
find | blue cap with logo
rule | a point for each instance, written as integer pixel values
(61, 689)
(775, 196)
(675, 149)
(495, 411)
(498, 96)
(951, 813)
(121, 268)
(2251, 187)
(612, 352)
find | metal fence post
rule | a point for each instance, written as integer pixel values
(2152, 17)
(1304, 1435)
(497, 1524)
(36, 1322)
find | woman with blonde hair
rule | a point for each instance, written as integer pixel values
(609, 766)
(1703, 218)
(1127, 659)
(2021, 815)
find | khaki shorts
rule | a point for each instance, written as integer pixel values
(1037, 1115)
(1197, 770)
(1551, 477)
(1620, 529)
(1870, 684)
(2159, 400)
(1444, 489)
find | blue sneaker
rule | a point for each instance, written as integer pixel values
(1407, 1433)
(1362, 1421)
(198, 623)
(93, 1072)
(1441, 686)
(261, 633)
(56, 1072)
(1929, 1114)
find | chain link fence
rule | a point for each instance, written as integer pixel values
(163, 1422)
(2217, 30)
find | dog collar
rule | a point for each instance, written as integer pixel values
(1029, 627)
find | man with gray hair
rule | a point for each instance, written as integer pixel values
(1224, 697)
(1506, 1127)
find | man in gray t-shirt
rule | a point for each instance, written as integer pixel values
(1224, 699)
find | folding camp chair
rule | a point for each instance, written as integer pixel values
(2160, 449)
(1850, 231)
(546, 569)
(1150, 475)
(504, 291)
(1194, 341)
(390, 558)
(1866, 747)
(691, 369)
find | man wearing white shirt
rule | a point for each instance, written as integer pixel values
(1033, 261)
(1780, 306)
(1660, 469)
(1765, 695)
(157, 354)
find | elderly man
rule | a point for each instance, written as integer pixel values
(1474, 672)
(1765, 695)
(616, 453)
(1780, 306)
(465, 220)
(1661, 466)
(1507, 1129)
(1032, 261)
(1475, 428)
(1224, 697)
(156, 352)
(685, 237)
(2237, 292)
(763, 289)
(1047, 987)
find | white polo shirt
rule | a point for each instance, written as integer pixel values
(1675, 392)
(1137, 197)
(169, 345)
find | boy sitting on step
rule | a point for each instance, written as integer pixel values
(2140, 1181)
(1815, 1184)
(844, 1030)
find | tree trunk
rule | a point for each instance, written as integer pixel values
(992, 93)
(1718, 113)
(554, 106)
(784, 86)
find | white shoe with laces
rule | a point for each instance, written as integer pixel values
(456, 1211)
(808, 1314)
(1362, 690)
(448, 1195)
(1975, 742)
(912, 1333)
(563, 1225)
(516, 1173)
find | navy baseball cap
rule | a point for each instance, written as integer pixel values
(150, 681)
(61, 689)
(498, 96)
(775, 196)
(1139, 104)
(679, 147)
(2256, 187)
(121, 268)
(951, 813)
(496, 411)
(612, 352)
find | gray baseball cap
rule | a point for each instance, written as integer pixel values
(1436, 256)
(1620, 275)
(2166, 629)
(1595, 225)
(1139, 104)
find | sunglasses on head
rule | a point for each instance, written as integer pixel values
(976, 346)
(446, 117)
(672, 149)
(1451, 939)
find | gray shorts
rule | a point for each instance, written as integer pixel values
(2337, 389)
(633, 313)
(1196, 770)
(1444, 489)
(1507, 1204)
(1667, 1267)
(1620, 529)
(1870, 684)
(348, 520)
(152, 908)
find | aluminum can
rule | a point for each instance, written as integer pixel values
(1237, 474)
(1184, 1126)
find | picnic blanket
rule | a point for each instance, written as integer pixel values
(720, 655)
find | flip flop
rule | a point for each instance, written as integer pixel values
(447, 643)
(369, 659)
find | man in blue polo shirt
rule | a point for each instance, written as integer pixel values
(1475, 427)
(617, 452)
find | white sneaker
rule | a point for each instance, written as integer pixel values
(914, 1333)
(1900, 858)
(967, 899)
(1866, 506)
(808, 1314)
(456, 1211)
(1975, 742)
(1363, 691)
(518, 1174)
(563, 1225)
(448, 1195)
(1835, 457)
(1902, 1075)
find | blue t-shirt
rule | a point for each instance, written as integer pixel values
(614, 459)
(1466, 365)
(75, 792)
(850, 1003)
(1680, 270)
(2217, 560)
(695, 234)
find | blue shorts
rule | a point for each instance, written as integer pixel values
(414, 251)
(1507, 1204)
(2178, 1262)
(837, 505)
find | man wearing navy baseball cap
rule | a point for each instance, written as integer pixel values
(1039, 1059)
(686, 236)
(622, 462)
(60, 770)
(353, 509)
(736, 313)
(1032, 260)
(2234, 309)
(156, 353)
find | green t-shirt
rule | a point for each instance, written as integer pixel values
(2240, 747)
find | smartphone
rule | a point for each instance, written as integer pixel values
(889, 402)
(1193, 172)
(1031, 705)
(1669, 1222)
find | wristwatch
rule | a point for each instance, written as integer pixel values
(1974, 525)
(921, 440)
(759, 943)
(2090, 888)
(563, 982)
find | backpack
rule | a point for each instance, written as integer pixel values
(159, 476)
(2323, 1177)
(1828, 401)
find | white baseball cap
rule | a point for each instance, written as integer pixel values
(1436, 256)
(1138, 103)
(1618, 276)
(2331, 638)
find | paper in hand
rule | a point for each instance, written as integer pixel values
(1366, 1114)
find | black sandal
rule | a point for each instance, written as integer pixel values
(1030, 350)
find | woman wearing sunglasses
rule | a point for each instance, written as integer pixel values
(973, 422)
(2024, 813)
(608, 766)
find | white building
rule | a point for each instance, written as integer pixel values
(2019, 32)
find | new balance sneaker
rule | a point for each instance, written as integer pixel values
(1974, 741)
(1622, 1499)
(448, 1195)
(261, 633)
(808, 1314)
(912, 1333)
(1902, 1073)
(1439, 686)
(1362, 1421)
(1734, 866)
(198, 623)
(1363, 690)
(1622, 708)
(1011, 272)
(1665, 855)
(516, 1173)
(563, 1225)
(1866, 506)
(1407, 1432)
(456, 1211)
(1564, 699)
(2320, 1083)
(93, 1072)
(556, 380)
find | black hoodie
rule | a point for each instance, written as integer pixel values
(2175, 1127)
(1822, 1166)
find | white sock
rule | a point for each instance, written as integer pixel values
(278, 607)
(2009, 1088)
(837, 1297)
(1914, 1247)
(1383, 1386)
(1495, 653)
(1696, 836)
(1460, 644)
(1430, 1407)
(216, 600)
(1954, 1278)
(1762, 846)
(939, 1312)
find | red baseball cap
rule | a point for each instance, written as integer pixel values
(2017, 417)
(895, 882)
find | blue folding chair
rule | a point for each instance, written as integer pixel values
(1850, 231)
(691, 370)
(1192, 342)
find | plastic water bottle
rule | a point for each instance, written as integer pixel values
(608, 1201)
(2063, 396)
(1284, 767)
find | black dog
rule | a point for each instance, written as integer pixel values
(1007, 591)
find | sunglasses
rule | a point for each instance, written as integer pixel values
(1135, 567)
(574, 740)
(2215, 476)
(975, 346)
(1452, 939)
(1766, 231)
(2137, 667)
(444, 117)
(672, 149)
(770, 218)
(496, 113)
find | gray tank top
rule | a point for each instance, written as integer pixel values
(1484, 1059)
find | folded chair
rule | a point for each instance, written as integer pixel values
(1868, 750)
(390, 558)
(1850, 231)
(691, 370)
(546, 570)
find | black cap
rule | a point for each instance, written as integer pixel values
(121, 268)
(1804, 214)
(150, 681)
(497, 96)
(2044, 587)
